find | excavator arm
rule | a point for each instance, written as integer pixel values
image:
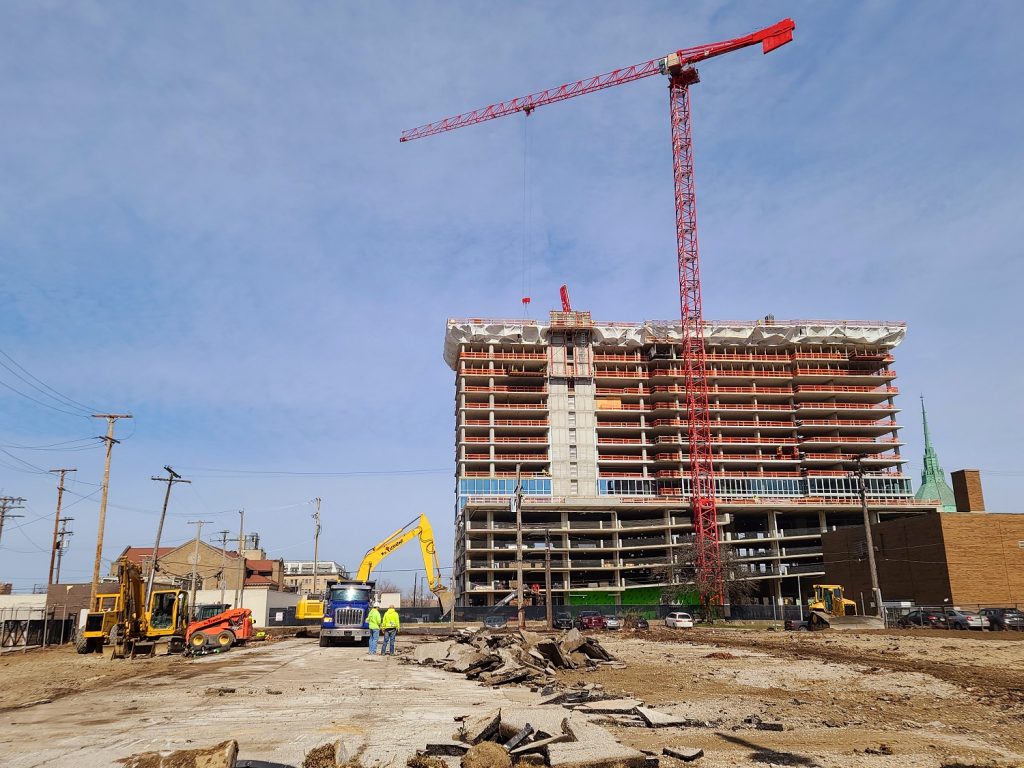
(418, 528)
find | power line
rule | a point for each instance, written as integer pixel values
(40, 402)
(58, 396)
(88, 442)
(227, 473)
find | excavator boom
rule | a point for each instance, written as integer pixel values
(417, 528)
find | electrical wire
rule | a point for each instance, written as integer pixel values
(40, 402)
(55, 446)
(58, 396)
(233, 473)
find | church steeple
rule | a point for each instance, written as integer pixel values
(933, 479)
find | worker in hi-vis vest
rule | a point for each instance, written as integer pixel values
(373, 622)
(390, 625)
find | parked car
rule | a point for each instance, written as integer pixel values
(922, 618)
(612, 622)
(495, 621)
(798, 625)
(965, 620)
(635, 621)
(590, 620)
(1002, 619)
(679, 620)
(563, 621)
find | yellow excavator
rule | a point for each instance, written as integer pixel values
(126, 625)
(829, 609)
(416, 528)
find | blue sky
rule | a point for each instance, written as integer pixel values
(206, 219)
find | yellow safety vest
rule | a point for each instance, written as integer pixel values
(390, 619)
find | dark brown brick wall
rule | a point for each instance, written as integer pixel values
(986, 561)
(967, 559)
(967, 491)
(909, 553)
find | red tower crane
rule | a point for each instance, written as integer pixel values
(564, 293)
(679, 68)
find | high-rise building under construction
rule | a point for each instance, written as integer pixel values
(593, 415)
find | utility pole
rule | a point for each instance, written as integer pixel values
(109, 440)
(172, 478)
(195, 562)
(316, 542)
(62, 544)
(547, 579)
(223, 563)
(7, 503)
(240, 592)
(870, 541)
(519, 548)
(415, 584)
(56, 521)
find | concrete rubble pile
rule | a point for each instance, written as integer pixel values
(531, 737)
(516, 657)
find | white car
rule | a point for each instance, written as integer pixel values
(679, 620)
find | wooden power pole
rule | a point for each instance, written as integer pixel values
(240, 592)
(876, 591)
(316, 542)
(56, 521)
(547, 579)
(109, 440)
(518, 501)
(7, 503)
(223, 563)
(172, 478)
(63, 534)
(195, 564)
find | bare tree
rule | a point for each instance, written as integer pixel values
(682, 578)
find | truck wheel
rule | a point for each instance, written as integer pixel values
(198, 641)
(82, 644)
(225, 639)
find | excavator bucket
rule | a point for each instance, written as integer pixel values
(446, 598)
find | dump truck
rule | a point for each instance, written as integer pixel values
(828, 608)
(348, 602)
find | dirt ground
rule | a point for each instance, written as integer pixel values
(872, 699)
(875, 699)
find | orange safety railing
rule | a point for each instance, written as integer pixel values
(485, 473)
(851, 456)
(621, 391)
(846, 423)
(503, 355)
(751, 357)
(506, 423)
(887, 390)
(850, 439)
(833, 372)
(510, 406)
(614, 373)
(713, 389)
(620, 457)
(611, 357)
(503, 388)
(471, 439)
(725, 373)
(621, 441)
(520, 457)
(848, 406)
(749, 407)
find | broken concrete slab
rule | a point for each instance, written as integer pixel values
(538, 745)
(656, 719)
(427, 652)
(218, 756)
(686, 754)
(483, 728)
(611, 706)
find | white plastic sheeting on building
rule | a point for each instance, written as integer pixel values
(778, 333)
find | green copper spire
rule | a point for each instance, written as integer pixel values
(933, 479)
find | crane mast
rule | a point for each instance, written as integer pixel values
(679, 68)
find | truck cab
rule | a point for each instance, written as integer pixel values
(346, 606)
